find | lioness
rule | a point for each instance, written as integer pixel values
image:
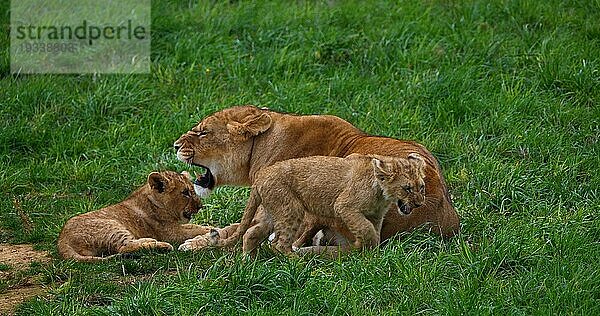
(234, 144)
(149, 218)
(354, 192)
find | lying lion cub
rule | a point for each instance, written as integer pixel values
(353, 192)
(149, 218)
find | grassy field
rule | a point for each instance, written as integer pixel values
(505, 93)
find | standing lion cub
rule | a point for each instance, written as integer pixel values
(149, 218)
(352, 193)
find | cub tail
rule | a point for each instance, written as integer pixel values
(67, 252)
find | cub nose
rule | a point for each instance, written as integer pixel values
(176, 146)
(419, 201)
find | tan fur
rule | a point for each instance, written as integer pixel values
(150, 218)
(353, 192)
(237, 142)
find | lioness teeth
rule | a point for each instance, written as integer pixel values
(204, 180)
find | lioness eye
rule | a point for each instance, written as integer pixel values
(201, 133)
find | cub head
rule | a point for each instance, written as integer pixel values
(222, 144)
(174, 196)
(401, 180)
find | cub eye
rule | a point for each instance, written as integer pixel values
(186, 193)
(407, 189)
(201, 133)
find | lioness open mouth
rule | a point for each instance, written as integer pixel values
(205, 180)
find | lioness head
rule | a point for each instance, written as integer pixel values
(174, 196)
(401, 180)
(222, 144)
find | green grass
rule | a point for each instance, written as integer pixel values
(505, 93)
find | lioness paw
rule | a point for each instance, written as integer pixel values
(208, 240)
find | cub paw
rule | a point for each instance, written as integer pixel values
(157, 246)
(145, 244)
(208, 240)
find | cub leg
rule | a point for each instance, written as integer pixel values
(210, 239)
(286, 225)
(377, 224)
(181, 233)
(144, 243)
(256, 234)
(308, 230)
(228, 231)
(366, 236)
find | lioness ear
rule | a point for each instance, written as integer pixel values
(380, 169)
(418, 161)
(259, 125)
(157, 182)
(252, 127)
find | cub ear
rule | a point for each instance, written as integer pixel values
(251, 126)
(418, 161)
(380, 168)
(157, 182)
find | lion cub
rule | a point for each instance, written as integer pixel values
(352, 193)
(149, 218)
